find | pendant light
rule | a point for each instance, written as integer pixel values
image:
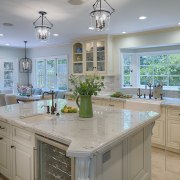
(42, 27)
(25, 64)
(100, 17)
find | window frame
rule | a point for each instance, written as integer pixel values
(136, 68)
(56, 59)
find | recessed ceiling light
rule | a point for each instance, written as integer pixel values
(7, 44)
(142, 17)
(91, 28)
(1, 35)
(123, 32)
(55, 35)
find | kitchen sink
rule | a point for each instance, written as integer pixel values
(144, 105)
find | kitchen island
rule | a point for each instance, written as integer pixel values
(114, 144)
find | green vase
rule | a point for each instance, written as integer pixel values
(85, 106)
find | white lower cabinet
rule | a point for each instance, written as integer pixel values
(158, 133)
(5, 160)
(173, 128)
(23, 162)
(16, 152)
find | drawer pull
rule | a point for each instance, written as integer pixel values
(12, 146)
(1, 138)
(2, 127)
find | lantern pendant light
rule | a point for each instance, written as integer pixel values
(42, 27)
(100, 17)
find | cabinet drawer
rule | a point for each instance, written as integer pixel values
(4, 129)
(173, 112)
(23, 137)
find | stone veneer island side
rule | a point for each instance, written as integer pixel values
(113, 145)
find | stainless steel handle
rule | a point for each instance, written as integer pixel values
(1, 138)
(35, 163)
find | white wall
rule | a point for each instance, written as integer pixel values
(13, 54)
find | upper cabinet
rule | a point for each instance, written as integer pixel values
(78, 58)
(95, 57)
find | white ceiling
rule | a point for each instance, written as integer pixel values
(72, 21)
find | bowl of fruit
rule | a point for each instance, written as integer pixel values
(69, 109)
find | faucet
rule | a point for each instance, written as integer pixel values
(53, 107)
(150, 91)
(139, 93)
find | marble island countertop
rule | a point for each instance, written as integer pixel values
(84, 136)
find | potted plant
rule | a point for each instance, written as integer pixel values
(84, 88)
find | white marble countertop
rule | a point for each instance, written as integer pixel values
(84, 136)
(165, 102)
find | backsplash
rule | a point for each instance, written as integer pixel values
(112, 84)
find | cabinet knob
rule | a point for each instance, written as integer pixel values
(1, 138)
(2, 127)
(12, 146)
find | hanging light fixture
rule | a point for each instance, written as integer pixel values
(25, 64)
(100, 17)
(42, 27)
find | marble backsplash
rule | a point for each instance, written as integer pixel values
(112, 84)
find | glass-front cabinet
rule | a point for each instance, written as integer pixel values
(91, 58)
(78, 58)
(95, 56)
(89, 54)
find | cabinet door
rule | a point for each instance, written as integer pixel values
(173, 134)
(100, 62)
(22, 162)
(158, 133)
(5, 156)
(89, 60)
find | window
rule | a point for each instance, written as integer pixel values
(127, 70)
(140, 69)
(52, 73)
(160, 68)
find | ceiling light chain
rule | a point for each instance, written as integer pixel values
(100, 17)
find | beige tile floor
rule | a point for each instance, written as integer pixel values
(158, 165)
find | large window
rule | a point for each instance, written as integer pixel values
(153, 68)
(52, 73)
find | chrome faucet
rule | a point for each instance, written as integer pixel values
(53, 106)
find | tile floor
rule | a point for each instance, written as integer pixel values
(158, 165)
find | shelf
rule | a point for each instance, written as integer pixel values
(78, 53)
(79, 62)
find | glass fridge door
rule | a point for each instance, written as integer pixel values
(53, 163)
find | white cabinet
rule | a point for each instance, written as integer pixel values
(95, 56)
(158, 133)
(5, 163)
(16, 152)
(78, 63)
(173, 128)
(22, 162)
